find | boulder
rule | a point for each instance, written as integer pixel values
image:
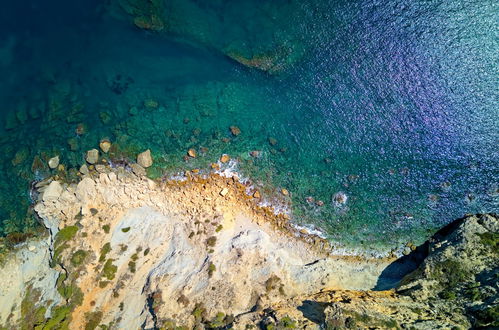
(54, 162)
(52, 192)
(105, 145)
(144, 159)
(92, 156)
(84, 169)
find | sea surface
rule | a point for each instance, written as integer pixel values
(381, 118)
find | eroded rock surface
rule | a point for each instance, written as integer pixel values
(129, 252)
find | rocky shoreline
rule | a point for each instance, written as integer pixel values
(125, 251)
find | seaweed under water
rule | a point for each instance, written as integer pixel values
(380, 119)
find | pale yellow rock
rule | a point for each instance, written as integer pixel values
(224, 192)
(54, 162)
(105, 145)
(84, 169)
(144, 159)
(285, 192)
(92, 156)
(192, 153)
(138, 170)
(52, 192)
(225, 158)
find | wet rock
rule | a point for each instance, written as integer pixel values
(225, 158)
(92, 156)
(54, 162)
(73, 144)
(105, 145)
(20, 156)
(38, 165)
(192, 153)
(144, 159)
(81, 129)
(235, 130)
(105, 117)
(52, 192)
(285, 192)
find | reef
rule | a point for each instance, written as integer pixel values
(125, 251)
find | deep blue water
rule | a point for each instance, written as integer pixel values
(393, 103)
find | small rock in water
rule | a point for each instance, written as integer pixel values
(54, 162)
(235, 130)
(340, 198)
(285, 192)
(255, 153)
(225, 158)
(151, 104)
(84, 169)
(192, 153)
(105, 145)
(319, 203)
(92, 156)
(272, 141)
(144, 159)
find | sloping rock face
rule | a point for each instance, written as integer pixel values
(128, 252)
(455, 287)
(131, 252)
(26, 280)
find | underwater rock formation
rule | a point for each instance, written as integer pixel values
(126, 251)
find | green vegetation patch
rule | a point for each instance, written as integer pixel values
(211, 269)
(211, 241)
(78, 257)
(109, 270)
(65, 234)
(93, 320)
(106, 248)
(125, 230)
(490, 240)
(106, 228)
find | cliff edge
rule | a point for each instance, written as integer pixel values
(128, 252)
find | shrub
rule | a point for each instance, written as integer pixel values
(109, 270)
(78, 257)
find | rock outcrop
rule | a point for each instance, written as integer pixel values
(129, 252)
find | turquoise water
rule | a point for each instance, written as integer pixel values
(393, 104)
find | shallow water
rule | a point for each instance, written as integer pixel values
(393, 104)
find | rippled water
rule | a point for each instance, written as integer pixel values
(393, 103)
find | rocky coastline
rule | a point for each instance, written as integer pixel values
(123, 251)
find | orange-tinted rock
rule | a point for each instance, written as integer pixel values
(225, 158)
(192, 153)
(235, 130)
